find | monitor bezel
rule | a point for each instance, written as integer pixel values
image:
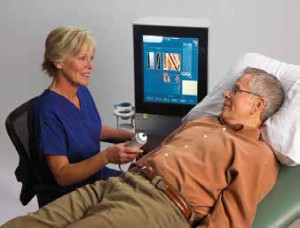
(168, 109)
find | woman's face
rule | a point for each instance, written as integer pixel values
(77, 69)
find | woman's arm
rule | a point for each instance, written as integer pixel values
(67, 173)
(114, 135)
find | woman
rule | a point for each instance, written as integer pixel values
(66, 128)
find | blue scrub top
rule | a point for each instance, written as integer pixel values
(60, 128)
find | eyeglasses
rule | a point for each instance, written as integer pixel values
(234, 89)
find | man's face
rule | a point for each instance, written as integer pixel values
(238, 102)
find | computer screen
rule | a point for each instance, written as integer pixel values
(170, 68)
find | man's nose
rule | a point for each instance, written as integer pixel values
(227, 94)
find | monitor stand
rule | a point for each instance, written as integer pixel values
(157, 127)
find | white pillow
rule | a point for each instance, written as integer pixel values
(282, 131)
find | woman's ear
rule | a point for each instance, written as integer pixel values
(58, 65)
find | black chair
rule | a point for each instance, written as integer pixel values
(32, 171)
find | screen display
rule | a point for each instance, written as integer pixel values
(170, 69)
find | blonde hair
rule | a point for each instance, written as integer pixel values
(64, 41)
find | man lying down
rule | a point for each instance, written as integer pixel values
(210, 172)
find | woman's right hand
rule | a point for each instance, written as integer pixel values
(120, 154)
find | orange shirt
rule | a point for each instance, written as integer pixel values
(222, 170)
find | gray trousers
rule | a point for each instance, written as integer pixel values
(128, 201)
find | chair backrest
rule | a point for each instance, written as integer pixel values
(17, 127)
(32, 170)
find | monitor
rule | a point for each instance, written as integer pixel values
(170, 66)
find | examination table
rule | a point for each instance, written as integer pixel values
(281, 207)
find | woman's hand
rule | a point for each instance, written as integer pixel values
(120, 154)
(67, 173)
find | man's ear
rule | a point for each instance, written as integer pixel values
(259, 105)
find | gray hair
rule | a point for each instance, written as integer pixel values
(64, 41)
(268, 87)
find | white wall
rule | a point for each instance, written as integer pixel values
(269, 27)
